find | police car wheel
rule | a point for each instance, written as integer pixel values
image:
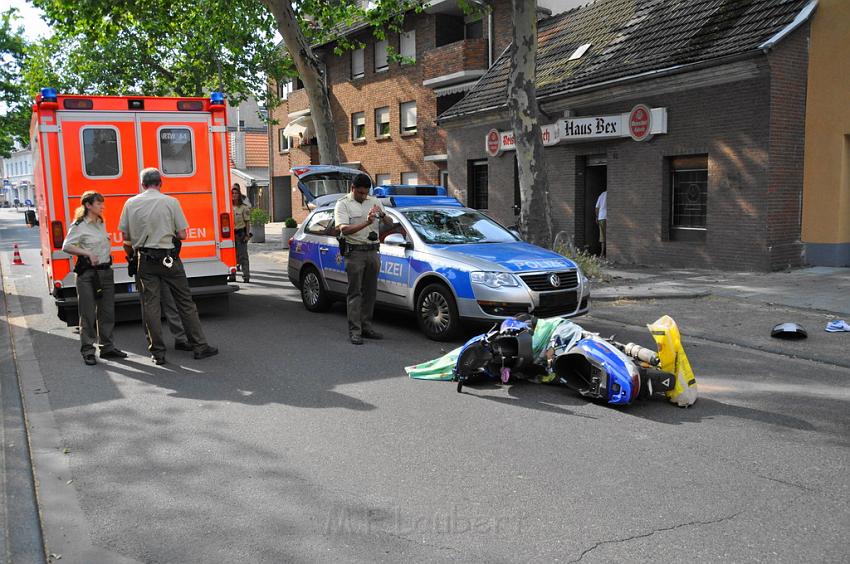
(313, 293)
(436, 312)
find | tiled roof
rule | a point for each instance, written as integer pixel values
(631, 37)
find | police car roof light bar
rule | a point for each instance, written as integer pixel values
(386, 190)
(411, 201)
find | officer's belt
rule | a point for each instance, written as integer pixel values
(367, 247)
(157, 254)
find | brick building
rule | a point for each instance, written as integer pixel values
(385, 111)
(691, 116)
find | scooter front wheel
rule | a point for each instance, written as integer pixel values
(459, 386)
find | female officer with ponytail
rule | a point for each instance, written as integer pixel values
(88, 241)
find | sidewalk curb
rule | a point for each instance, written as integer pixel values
(829, 361)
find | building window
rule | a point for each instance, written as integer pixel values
(474, 29)
(284, 143)
(409, 178)
(381, 62)
(382, 179)
(101, 152)
(358, 126)
(382, 122)
(477, 197)
(688, 196)
(284, 88)
(447, 101)
(407, 44)
(407, 112)
(358, 68)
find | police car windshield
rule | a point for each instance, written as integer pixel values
(456, 226)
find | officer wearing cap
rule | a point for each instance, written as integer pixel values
(357, 216)
(149, 222)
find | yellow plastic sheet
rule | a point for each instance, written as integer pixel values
(673, 360)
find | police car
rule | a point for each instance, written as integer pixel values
(445, 262)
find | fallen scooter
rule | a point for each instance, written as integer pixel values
(558, 351)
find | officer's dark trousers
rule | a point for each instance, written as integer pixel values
(97, 316)
(362, 268)
(242, 254)
(152, 276)
(166, 303)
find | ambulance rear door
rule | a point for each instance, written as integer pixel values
(181, 146)
(98, 151)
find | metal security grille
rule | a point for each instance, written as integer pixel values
(690, 197)
(540, 282)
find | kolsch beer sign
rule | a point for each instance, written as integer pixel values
(639, 124)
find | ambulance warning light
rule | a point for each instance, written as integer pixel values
(216, 99)
(49, 95)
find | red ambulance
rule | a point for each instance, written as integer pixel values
(102, 143)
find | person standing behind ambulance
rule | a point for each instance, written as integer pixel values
(148, 223)
(241, 229)
(88, 241)
(355, 216)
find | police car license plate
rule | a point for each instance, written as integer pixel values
(131, 287)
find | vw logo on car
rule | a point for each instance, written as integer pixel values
(554, 280)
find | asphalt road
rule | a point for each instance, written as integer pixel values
(293, 445)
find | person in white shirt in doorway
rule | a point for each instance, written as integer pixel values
(602, 219)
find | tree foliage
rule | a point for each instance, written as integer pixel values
(14, 124)
(157, 48)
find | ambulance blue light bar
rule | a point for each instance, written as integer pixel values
(49, 94)
(429, 201)
(387, 190)
(217, 99)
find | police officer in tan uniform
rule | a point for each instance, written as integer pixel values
(148, 222)
(88, 240)
(241, 229)
(357, 216)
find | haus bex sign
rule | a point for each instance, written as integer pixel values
(639, 124)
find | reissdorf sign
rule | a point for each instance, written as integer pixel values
(640, 124)
(640, 120)
(494, 143)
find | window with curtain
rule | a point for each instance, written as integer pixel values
(381, 62)
(407, 44)
(409, 178)
(358, 69)
(408, 117)
(358, 126)
(382, 122)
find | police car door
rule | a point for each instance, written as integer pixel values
(326, 249)
(394, 278)
(98, 152)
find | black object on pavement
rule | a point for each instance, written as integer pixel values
(789, 330)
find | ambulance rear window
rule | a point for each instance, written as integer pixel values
(101, 156)
(175, 151)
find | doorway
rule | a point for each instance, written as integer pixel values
(281, 198)
(595, 182)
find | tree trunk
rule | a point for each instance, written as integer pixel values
(314, 76)
(535, 220)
